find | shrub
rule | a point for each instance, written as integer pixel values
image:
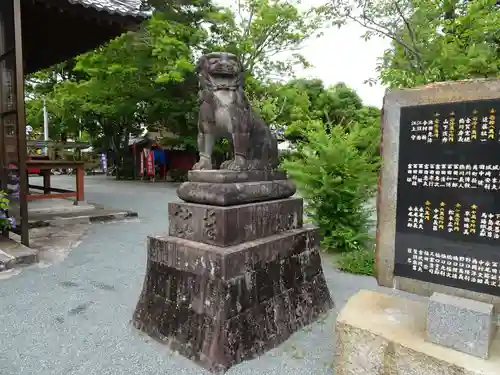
(178, 175)
(286, 155)
(6, 221)
(360, 262)
(336, 178)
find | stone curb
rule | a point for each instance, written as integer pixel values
(19, 255)
(112, 217)
(85, 219)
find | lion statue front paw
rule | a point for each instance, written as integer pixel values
(234, 165)
(203, 164)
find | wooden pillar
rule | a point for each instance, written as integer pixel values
(80, 183)
(13, 152)
(46, 181)
(21, 122)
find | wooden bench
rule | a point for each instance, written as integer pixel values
(45, 167)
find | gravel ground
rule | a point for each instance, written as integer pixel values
(73, 316)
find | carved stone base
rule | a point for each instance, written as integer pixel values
(235, 193)
(237, 274)
(220, 306)
(225, 226)
(228, 188)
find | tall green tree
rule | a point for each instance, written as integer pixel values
(140, 78)
(305, 100)
(431, 40)
(268, 35)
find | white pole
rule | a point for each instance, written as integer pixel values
(45, 126)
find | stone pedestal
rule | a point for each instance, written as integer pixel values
(379, 334)
(227, 188)
(230, 282)
(461, 324)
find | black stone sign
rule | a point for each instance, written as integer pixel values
(448, 207)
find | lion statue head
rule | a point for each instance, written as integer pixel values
(219, 67)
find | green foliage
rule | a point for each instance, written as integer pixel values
(336, 179)
(141, 78)
(359, 262)
(300, 101)
(284, 156)
(456, 41)
(4, 201)
(6, 222)
(178, 175)
(263, 29)
(431, 41)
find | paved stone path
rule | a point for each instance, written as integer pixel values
(72, 316)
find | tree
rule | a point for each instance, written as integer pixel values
(305, 100)
(39, 88)
(261, 32)
(431, 41)
(146, 77)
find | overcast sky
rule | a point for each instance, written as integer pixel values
(342, 55)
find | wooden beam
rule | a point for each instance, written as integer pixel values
(33, 143)
(36, 197)
(50, 164)
(56, 190)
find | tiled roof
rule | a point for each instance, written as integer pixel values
(121, 7)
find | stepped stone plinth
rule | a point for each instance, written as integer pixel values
(237, 273)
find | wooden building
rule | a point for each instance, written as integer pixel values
(177, 159)
(36, 34)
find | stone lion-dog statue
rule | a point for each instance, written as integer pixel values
(225, 112)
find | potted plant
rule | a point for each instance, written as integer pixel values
(6, 222)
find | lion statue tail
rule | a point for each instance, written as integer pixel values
(264, 146)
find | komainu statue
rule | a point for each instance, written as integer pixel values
(225, 112)
(238, 273)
